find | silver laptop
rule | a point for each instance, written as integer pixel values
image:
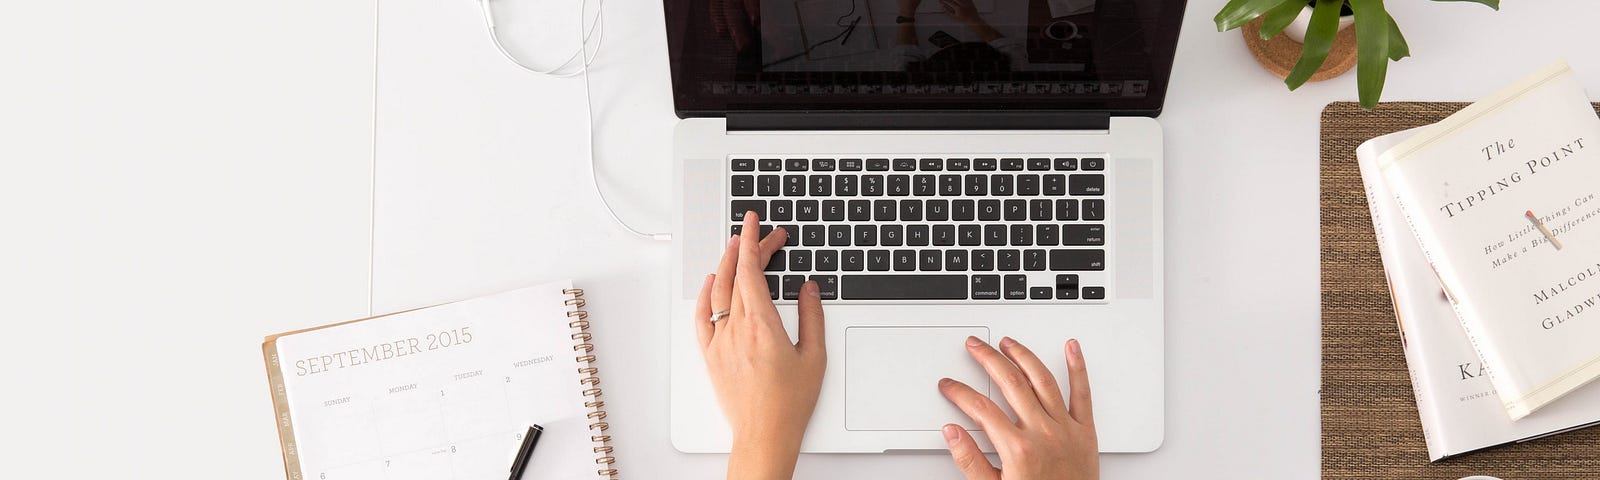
(939, 179)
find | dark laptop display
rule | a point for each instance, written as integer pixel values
(808, 55)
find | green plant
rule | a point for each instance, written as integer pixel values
(1378, 39)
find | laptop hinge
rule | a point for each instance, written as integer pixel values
(917, 120)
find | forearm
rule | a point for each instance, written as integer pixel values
(763, 457)
(984, 31)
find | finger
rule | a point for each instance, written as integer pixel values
(752, 9)
(1044, 382)
(748, 279)
(969, 459)
(1015, 386)
(702, 312)
(718, 23)
(771, 243)
(812, 338)
(978, 407)
(722, 292)
(1081, 407)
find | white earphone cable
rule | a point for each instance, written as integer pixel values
(595, 29)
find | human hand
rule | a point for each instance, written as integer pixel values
(1048, 440)
(908, 8)
(737, 19)
(767, 387)
(963, 11)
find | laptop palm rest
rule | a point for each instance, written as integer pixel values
(892, 376)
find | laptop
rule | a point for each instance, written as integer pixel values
(940, 178)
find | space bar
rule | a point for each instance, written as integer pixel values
(904, 287)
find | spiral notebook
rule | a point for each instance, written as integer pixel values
(444, 392)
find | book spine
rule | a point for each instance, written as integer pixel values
(280, 408)
(589, 380)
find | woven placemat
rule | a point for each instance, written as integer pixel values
(1370, 428)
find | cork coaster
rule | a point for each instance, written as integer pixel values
(1280, 53)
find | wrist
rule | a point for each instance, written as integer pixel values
(763, 457)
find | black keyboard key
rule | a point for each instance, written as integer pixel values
(813, 236)
(969, 235)
(794, 185)
(1038, 164)
(949, 185)
(1055, 185)
(982, 260)
(845, 185)
(827, 286)
(892, 235)
(853, 260)
(850, 165)
(1010, 260)
(1016, 287)
(904, 287)
(924, 185)
(859, 210)
(1012, 164)
(1040, 293)
(905, 260)
(791, 286)
(929, 260)
(1000, 185)
(899, 185)
(866, 236)
(877, 164)
(826, 260)
(989, 210)
(977, 185)
(932, 164)
(955, 260)
(782, 211)
(1094, 209)
(772, 286)
(937, 210)
(944, 235)
(917, 235)
(1094, 164)
(767, 185)
(794, 235)
(741, 206)
(958, 164)
(838, 235)
(985, 164)
(1087, 234)
(833, 210)
(744, 165)
(878, 260)
(778, 262)
(796, 165)
(1066, 164)
(807, 211)
(1066, 209)
(822, 165)
(911, 210)
(1034, 260)
(743, 185)
(1027, 184)
(884, 210)
(1094, 293)
(800, 261)
(1022, 235)
(1072, 260)
(1087, 184)
(1048, 235)
(963, 210)
(1016, 210)
(985, 287)
(994, 235)
(872, 185)
(821, 185)
(771, 164)
(905, 164)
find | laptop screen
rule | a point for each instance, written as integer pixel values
(764, 55)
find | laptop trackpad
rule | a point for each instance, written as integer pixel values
(892, 376)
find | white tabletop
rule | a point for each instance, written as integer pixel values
(182, 178)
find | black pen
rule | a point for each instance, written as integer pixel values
(523, 454)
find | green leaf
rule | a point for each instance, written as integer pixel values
(1397, 42)
(1372, 49)
(1239, 12)
(1495, 4)
(1279, 17)
(1319, 40)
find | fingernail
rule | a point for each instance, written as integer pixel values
(952, 434)
(1073, 345)
(811, 288)
(710, 277)
(973, 341)
(752, 214)
(733, 239)
(945, 382)
(1007, 342)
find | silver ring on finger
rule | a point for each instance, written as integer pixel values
(719, 316)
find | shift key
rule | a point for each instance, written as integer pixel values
(1071, 260)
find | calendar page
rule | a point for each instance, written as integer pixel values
(439, 393)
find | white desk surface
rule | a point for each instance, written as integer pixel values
(182, 178)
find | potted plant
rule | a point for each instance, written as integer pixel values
(1378, 39)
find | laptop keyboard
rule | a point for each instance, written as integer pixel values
(1004, 229)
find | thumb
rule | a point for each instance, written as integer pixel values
(812, 336)
(968, 458)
